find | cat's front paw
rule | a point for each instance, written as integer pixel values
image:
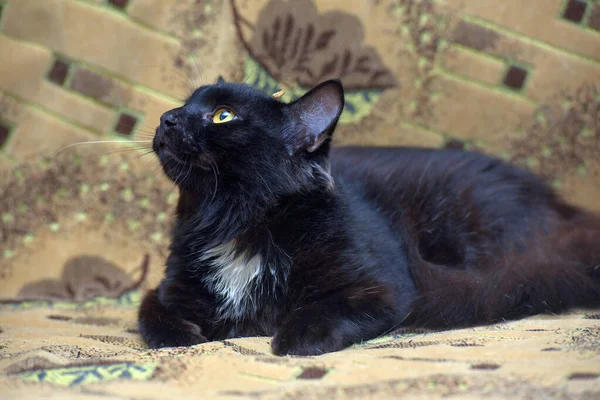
(304, 340)
(182, 334)
(162, 328)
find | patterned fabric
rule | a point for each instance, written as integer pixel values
(72, 376)
(84, 232)
(61, 350)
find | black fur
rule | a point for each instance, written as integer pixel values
(378, 239)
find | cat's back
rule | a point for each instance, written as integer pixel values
(411, 168)
(446, 194)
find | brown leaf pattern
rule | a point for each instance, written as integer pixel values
(298, 46)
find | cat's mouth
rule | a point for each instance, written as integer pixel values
(169, 156)
(164, 154)
(170, 153)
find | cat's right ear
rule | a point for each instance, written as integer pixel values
(315, 115)
(220, 80)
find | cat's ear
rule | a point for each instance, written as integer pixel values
(315, 115)
(220, 80)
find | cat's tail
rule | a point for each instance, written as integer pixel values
(561, 273)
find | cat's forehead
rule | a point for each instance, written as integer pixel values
(227, 93)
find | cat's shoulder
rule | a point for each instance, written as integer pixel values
(352, 154)
(411, 160)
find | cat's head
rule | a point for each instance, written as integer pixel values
(243, 139)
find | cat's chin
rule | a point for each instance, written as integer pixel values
(186, 175)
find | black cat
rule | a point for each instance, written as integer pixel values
(278, 235)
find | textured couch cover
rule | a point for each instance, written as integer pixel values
(83, 233)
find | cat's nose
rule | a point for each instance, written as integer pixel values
(169, 119)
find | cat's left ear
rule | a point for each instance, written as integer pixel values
(315, 115)
(220, 80)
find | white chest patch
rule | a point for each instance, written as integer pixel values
(233, 278)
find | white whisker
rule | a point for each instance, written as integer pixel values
(215, 169)
(103, 141)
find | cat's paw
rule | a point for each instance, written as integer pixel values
(162, 328)
(304, 340)
(181, 333)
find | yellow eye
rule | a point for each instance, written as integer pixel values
(223, 115)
